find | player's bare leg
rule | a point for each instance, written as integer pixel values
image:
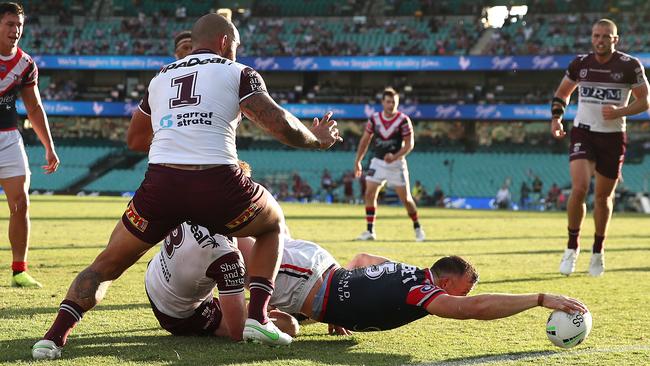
(89, 288)
(370, 200)
(581, 172)
(404, 194)
(263, 266)
(603, 207)
(17, 192)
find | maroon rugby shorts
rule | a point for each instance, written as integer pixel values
(203, 322)
(607, 149)
(222, 199)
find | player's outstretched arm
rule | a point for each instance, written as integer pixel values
(495, 306)
(361, 152)
(558, 106)
(140, 133)
(285, 127)
(36, 114)
(234, 314)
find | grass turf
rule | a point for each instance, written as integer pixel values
(514, 252)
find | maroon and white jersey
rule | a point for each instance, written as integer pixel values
(389, 133)
(191, 262)
(303, 263)
(604, 84)
(194, 108)
(16, 72)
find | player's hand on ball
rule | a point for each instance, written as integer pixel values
(610, 112)
(336, 330)
(566, 304)
(557, 130)
(326, 131)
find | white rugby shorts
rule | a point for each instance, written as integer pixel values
(13, 159)
(396, 174)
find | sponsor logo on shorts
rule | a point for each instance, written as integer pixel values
(245, 216)
(134, 217)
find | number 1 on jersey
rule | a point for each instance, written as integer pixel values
(185, 95)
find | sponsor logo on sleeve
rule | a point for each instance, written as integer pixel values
(249, 213)
(135, 219)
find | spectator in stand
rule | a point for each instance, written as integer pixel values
(419, 193)
(296, 187)
(348, 186)
(553, 197)
(503, 198)
(327, 186)
(438, 196)
(524, 193)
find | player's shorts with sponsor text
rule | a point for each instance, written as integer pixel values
(607, 149)
(222, 199)
(395, 174)
(13, 159)
(203, 322)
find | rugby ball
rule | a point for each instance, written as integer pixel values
(568, 330)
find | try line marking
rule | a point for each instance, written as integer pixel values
(530, 356)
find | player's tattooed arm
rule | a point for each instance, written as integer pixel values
(263, 111)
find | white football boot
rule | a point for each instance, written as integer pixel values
(45, 349)
(367, 235)
(419, 235)
(597, 264)
(568, 264)
(267, 333)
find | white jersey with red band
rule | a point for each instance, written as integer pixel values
(303, 263)
(190, 263)
(599, 84)
(194, 108)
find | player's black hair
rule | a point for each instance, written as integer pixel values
(181, 36)
(390, 92)
(11, 8)
(455, 266)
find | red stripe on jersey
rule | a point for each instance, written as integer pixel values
(296, 268)
(2, 92)
(422, 295)
(8, 129)
(389, 122)
(330, 275)
(10, 64)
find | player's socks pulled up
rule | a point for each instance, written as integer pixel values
(261, 290)
(70, 313)
(574, 239)
(370, 218)
(598, 243)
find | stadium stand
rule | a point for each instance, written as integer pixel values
(76, 164)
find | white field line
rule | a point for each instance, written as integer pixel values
(530, 356)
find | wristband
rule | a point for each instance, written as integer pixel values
(540, 300)
(557, 107)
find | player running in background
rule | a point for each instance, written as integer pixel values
(188, 126)
(394, 140)
(19, 75)
(605, 78)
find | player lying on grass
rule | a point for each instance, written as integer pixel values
(180, 280)
(371, 294)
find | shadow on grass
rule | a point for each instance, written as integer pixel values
(22, 312)
(202, 350)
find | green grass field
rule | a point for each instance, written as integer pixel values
(514, 252)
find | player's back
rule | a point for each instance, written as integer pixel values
(303, 263)
(191, 262)
(194, 108)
